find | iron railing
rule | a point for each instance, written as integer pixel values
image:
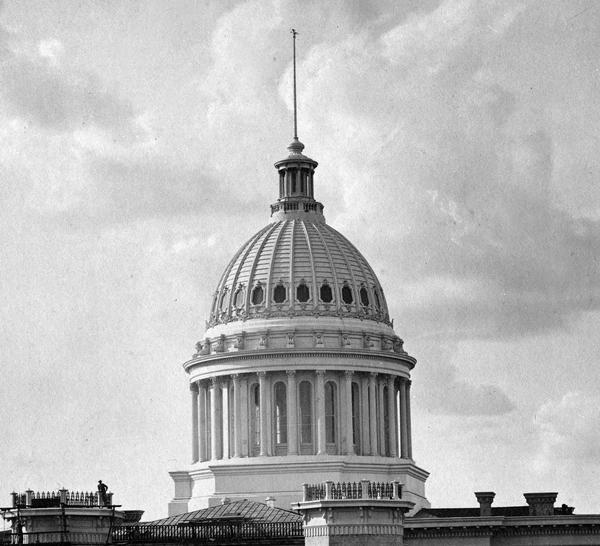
(207, 530)
(364, 489)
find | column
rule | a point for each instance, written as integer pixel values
(225, 418)
(381, 415)
(373, 412)
(292, 413)
(237, 438)
(264, 418)
(202, 423)
(347, 414)
(194, 393)
(215, 422)
(321, 437)
(408, 426)
(403, 427)
(244, 412)
(393, 423)
(364, 416)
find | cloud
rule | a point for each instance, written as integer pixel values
(463, 163)
(37, 88)
(568, 431)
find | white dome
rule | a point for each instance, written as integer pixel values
(298, 266)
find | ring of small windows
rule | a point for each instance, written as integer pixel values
(238, 297)
(258, 295)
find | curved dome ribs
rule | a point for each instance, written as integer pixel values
(301, 256)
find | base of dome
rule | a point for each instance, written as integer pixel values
(208, 483)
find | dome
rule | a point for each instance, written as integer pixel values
(298, 266)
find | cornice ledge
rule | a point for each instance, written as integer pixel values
(259, 354)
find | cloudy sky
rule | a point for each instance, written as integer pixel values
(458, 149)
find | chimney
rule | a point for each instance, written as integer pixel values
(485, 500)
(270, 501)
(541, 504)
(225, 500)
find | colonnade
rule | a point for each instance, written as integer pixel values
(301, 413)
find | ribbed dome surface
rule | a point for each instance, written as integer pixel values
(298, 266)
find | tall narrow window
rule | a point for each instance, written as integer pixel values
(302, 293)
(281, 183)
(257, 295)
(238, 298)
(347, 294)
(255, 418)
(326, 293)
(355, 417)
(377, 302)
(330, 412)
(280, 417)
(386, 421)
(223, 301)
(364, 296)
(305, 412)
(293, 177)
(279, 294)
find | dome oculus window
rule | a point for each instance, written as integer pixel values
(347, 296)
(326, 293)
(257, 295)
(302, 293)
(364, 296)
(279, 294)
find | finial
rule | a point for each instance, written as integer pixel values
(294, 34)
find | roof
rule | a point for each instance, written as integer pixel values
(506, 511)
(282, 269)
(249, 510)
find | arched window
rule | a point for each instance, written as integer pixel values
(386, 421)
(279, 294)
(364, 296)
(330, 412)
(355, 417)
(306, 412)
(326, 293)
(238, 298)
(377, 301)
(223, 300)
(257, 295)
(302, 293)
(280, 416)
(347, 296)
(255, 418)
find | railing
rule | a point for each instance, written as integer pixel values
(364, 489)
(49, 499)
(241, 531)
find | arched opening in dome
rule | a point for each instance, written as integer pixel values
(280, 415)
(258, 295)
(331, 416)
(223, 300)
(302, 292)
(364, 296)
(355, 417)
(377, 300)
(238, 298)
(347, 296)
(306, 417)
(326, 294)
(279, 294)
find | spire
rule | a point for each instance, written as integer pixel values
(296, 171)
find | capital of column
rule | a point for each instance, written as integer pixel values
(349, 374)
(391, 380)
(194, 387)
(320, 373)
(261, 373)
(214, 382)
(291, 373)
(235, 377)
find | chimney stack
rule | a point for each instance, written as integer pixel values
(485, 500)
(541, 504)
(270, 502)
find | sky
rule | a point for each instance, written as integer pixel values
(457, 143)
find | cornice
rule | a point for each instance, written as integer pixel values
(303, 353)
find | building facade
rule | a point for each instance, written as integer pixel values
(300, 376)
